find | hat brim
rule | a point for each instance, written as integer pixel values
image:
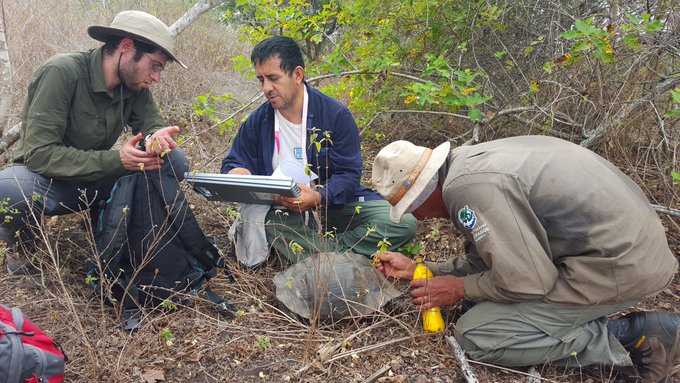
(103, 34)
(435, 162)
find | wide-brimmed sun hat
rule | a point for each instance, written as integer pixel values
(140, 26)
(401, 171)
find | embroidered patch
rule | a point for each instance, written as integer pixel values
(298, 153)
(467, 217)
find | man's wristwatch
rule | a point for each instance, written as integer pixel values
(142, 143)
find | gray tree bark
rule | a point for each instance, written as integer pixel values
(5, 74)
(192, 14)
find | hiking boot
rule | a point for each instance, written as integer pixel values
(17, 265)
(653, 343)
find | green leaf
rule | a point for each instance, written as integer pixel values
(633, 19)
(672, 113)
(676, 96)
(676, 177)
(571, 35)
(582, 26)
(474, 114)
(548, 66)
(631, 41)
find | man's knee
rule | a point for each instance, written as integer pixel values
(409, 225)
(176, 163)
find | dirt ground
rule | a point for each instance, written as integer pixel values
(264, 343)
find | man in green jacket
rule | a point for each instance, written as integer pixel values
(77, 106)
(557, 239)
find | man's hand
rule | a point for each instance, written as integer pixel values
(135, 159)
(309, 198)
(240, 171)
(395, 265)
(161, 141)
(437, 291)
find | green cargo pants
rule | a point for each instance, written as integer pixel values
(344, 229)
(530, 333)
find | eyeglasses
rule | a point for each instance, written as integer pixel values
(156, 67)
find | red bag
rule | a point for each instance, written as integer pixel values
(27, 355)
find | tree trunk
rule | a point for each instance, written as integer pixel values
(192, 14)
(5, 74)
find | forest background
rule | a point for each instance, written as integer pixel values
(602, 74)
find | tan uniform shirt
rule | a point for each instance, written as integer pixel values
(549, 220)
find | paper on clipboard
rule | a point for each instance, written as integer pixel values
(294, 170)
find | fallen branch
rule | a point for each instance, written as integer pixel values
(462, 360)
(511, 370)
(10, 137)
(534, 375)
(381, 371)
(666, 210)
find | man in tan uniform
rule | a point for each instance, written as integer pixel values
(557, 239)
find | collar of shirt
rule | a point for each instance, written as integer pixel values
(97, 75)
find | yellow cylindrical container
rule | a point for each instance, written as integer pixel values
(432, 318)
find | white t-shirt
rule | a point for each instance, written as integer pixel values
(290, 138)
(290, 143)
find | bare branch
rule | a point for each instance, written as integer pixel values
(192, 14)
(366, 72)
(631, 108)
(462, 360)
(666, 210)
(9, 137)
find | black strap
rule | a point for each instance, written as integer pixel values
(184, 222)
(224, 308)
(132, 318)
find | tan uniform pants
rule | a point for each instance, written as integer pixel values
(530, 333)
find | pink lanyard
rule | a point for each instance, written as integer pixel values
(277, 129)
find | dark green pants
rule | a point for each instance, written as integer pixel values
(342, 229)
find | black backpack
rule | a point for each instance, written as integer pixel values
(151, 252)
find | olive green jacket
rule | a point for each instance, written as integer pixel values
(548, 220)
(70, 123)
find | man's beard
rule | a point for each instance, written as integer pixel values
(129, 76)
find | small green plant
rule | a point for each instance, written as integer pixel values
(637, 26)
(295, 248)
(233, 213)
(433, 234)
(675, 94)
(676, 177)
(383, 245)
(410, 249)
(90, 280)
(588, 38)
(165, 334)
(263, 342)
(382, 249)
(205, 107)
(7, 211)
(168, 304)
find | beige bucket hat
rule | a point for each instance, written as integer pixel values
(141, 26)
(401, 171)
